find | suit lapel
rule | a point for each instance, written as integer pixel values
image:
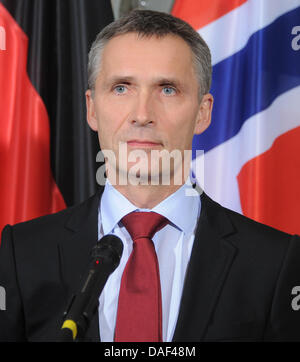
(210, 262)
(74, 249)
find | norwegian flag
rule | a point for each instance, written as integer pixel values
(252, 147)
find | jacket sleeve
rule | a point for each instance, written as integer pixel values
(284, 317)
(12, 326)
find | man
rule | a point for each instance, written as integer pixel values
(203, 272)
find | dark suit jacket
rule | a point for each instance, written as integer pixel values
(238, 283)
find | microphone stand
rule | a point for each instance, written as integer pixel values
(78, 315)
(83, 305)
(65, 335)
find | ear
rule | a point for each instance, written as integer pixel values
(204, 113)
(90, 110)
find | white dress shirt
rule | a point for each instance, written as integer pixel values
(173, 245)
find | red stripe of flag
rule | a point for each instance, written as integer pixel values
(27, 187)
(199, 13)
(269, 184)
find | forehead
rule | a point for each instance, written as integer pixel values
(169, 55)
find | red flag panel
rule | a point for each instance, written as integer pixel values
(199, 13)
(269, 184)
(27, 187)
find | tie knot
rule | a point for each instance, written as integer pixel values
(143, 224)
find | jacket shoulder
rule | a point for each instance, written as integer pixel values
(247, 228)
(47, 227)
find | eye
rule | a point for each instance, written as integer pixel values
(167, 90)
(120, 89)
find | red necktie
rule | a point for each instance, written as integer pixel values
(139, 317)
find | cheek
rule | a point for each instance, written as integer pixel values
(180, 128)
(109, 117)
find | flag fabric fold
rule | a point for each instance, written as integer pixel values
(47, 151)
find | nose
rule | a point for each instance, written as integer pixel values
(142, 111)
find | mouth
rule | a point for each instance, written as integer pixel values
(143, 143)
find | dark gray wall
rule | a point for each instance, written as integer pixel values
(121, 7)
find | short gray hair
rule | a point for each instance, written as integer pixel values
(149, 23)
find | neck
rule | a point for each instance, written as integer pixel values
(147, 196)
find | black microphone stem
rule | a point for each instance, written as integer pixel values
(106, 257)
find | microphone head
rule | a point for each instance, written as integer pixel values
(110, 246)
(112, 241)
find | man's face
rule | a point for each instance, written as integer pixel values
(146, 96)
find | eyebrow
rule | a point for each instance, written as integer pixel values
(159, 80)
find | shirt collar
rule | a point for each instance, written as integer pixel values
(181, 208)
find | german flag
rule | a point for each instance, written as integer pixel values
(47, 151)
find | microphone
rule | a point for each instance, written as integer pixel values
(105, 257)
